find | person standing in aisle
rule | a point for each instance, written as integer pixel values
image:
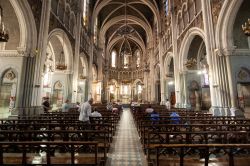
(85, 111)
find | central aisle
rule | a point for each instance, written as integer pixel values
(126, 150)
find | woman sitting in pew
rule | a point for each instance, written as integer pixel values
(95, 113)
(149, 110)
(175, 118)
(155, 117)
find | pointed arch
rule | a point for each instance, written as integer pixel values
(63, 38)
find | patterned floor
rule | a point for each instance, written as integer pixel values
(126, 149)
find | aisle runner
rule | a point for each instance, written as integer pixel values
(126, 150)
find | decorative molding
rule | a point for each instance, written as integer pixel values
(216, 6)
(243, 74)
(22, 51)
(9, 53)
(225, 51)
(232, 52)
(58, 85)
(10, 75)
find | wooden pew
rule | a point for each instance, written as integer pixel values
(191, 128)
(190, 154)
(59, 135)
(24, 153)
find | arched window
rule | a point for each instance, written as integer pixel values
(138, 58)
(113, 59)
(85, 12)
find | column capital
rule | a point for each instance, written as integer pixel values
(225, 51)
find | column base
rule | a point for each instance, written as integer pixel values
(183, 105)
(226, 111)
(219, 111)
(236, 112)
(177, 105)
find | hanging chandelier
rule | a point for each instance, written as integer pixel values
(4, 36)
(191, 63)
(61, 63)
(246, 27)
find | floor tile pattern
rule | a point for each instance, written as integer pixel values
(126, 150)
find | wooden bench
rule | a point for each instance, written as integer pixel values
(191, 154)
(191, 128)
(68, 153)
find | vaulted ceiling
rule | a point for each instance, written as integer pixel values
(130, 20)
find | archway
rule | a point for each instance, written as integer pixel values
(113, 90)
(20, 24)
(8, 88)
(57, 68)
(195, 89)
(137, 91)
(57, 95)
(169, 78)
(236, 47)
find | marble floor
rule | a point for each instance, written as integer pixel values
(126, 149)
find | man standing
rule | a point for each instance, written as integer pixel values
(168, 104)
(85, 111)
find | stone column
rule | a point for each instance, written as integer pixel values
(210, 46)
(77, 52)
(41, 54)
(90, 80)
(162, 70)
(152, 77)
(166, 84)
(232, 88)
(185, 89)
(175, 53)
(100, 64)
(226, 89)
(24, 91)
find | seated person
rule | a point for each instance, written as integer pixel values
(95, 113)
(149, 109)
(155, 117)
(175, 118)
(110, 106)
(78, 105)
(115, 110)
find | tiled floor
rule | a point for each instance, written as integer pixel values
(126, 149)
